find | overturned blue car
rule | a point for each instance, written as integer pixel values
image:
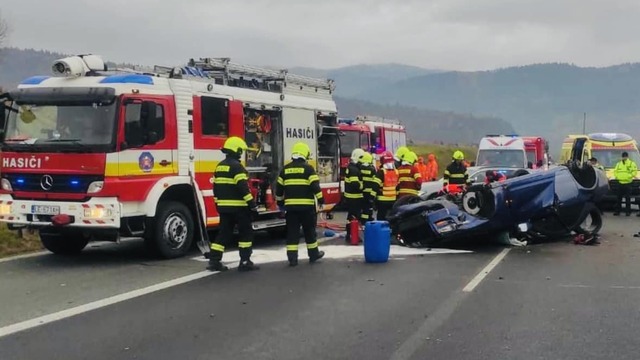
(542, 204)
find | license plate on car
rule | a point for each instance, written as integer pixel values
(45, 210)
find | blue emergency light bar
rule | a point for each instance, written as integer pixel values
(346, 121)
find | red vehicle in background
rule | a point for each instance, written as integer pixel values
(537, 151)
(375, 137)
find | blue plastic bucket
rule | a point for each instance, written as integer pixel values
(377, 241)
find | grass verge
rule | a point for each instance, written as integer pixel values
(443, 153)
(12, 244)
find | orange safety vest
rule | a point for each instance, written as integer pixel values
(389, 184)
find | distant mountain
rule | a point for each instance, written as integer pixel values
(17, 65)
(428, 125)
(353, 80)
(545, 99)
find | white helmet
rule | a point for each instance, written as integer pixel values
(356, 154)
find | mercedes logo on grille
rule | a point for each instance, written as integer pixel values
(46, 182)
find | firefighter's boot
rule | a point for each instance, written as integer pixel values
(247, 265)
(216, 265)
(293, 258)
(315, 255)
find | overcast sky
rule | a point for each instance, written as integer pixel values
(437, 34)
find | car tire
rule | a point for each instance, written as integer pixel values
(64, 242)
(596, 222)
(172, 230)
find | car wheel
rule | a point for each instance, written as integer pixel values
(592, 222)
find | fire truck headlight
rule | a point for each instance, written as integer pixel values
(95, 187)
(6, 185)
(5, 209)
(97, 213)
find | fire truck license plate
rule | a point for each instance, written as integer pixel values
(45, 210)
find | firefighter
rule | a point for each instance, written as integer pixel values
(298, 190)
(235, 204)
(423, 168)
(409, 178)
(402, 150)
(624, 172)
(368, 171)
(353, 189)
(456, 172)
(386, 181)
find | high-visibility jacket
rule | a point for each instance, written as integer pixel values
(432, 169)
(386, 182)
(422, 167)
(298, 186)
(231, 187)
(625, 171)
(368, 181)
(353, 184)
(409, 180)
(456, 174)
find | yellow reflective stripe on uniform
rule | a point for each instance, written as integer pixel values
(294, 171)
(386, 198)
(222, 168)
(280, 180)
(457, 176)
(223, 180)
(292, 247)
(231, 203)
(296, 182)
(244, 244)
(405, 179)
(377, 181)
(404, 171)
(352, 196)
(447, 172)
(217, 247)
(408, 191)
(319, 195)
(313, 178)
(365, 216)
(351, 178)
(240, 177)
(299, 202)
(416, 175)
(248, 197)
(312, 245)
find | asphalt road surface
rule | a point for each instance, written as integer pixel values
(548, 301)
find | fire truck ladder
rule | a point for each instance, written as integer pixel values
(224, 72)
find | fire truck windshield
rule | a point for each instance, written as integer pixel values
(88, 127)
(352, 140)
(505, 158)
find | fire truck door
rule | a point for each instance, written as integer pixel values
(149, 139)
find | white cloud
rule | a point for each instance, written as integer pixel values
(449, 34)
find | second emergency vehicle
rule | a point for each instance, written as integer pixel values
(502, 151)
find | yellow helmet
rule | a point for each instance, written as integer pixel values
(301, 149)
(401, 152)
(356, 154)
(410, 157)
(235, 144)
(366, 159)
(458, 155)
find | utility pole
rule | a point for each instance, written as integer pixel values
(584, 123)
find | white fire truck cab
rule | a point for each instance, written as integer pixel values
(92, 154)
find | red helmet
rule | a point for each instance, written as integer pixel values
(386, 157)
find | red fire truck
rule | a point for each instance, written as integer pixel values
(537, 150)
(95, 154)
(375, 137)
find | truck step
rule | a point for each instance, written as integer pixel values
(268, 224)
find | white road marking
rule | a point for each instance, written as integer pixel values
(25, 256)
(484, 272)
(46, 319)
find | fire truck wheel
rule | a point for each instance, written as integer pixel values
(173, 230)
(64, 242)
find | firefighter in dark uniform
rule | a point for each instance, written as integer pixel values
(456, 173)
(353, 189)
(368, 171)
(298, 190)
(386, 181)
(235, 204)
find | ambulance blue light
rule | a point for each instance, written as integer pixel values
(128, 79)
(75, 182)
(20, 181)
(34, 80)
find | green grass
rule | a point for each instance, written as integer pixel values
(12, 244)
(443, 153)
